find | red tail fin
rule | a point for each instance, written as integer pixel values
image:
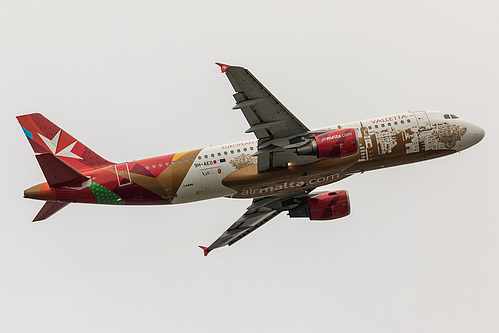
(46, 137)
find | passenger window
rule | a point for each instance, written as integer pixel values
(179, 161)
(251, 148)
(219, 154)
(382, 125)
(389, 124)
(186, 160)
(147, 167)
(401, 121)
(370, 127)
(225, 153)
(166, 164)
(239, 150)
(205, 156)
(376, 126)
(212, 155)
(245, 149)
(408, 120)
(395, 123)
(154, 165)
(173, 162)
(160, 165)
(232, 152)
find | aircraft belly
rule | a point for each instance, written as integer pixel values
(249, 183)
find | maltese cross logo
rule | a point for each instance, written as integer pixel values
(54, 142)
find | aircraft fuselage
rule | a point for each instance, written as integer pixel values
(231, 170)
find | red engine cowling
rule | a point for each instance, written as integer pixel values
(325, 206)
(334, 144)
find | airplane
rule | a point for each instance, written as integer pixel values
(278, 170)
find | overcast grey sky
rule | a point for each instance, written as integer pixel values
(133, 79)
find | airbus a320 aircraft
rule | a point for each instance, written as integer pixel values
(279, 169)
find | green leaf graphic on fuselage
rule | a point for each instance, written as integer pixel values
(105, 196)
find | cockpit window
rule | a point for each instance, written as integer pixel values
(453, 116)
(447, 116)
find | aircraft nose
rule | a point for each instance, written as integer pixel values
(479, 133)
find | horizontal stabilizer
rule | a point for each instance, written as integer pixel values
(57, 172)
(49, 209)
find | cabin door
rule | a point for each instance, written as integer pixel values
(423, 121)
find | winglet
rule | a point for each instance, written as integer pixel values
(223, 67)
(205, 250)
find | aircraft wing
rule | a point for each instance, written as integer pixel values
(257, 214)
(273, 124)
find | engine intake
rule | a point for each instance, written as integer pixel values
(324, 206)
(335, 144)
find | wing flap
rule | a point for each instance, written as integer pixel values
(263, 126)
(246, 103)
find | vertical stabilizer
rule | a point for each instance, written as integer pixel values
(46, 137)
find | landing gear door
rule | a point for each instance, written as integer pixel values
(123, 174)
(423, 121)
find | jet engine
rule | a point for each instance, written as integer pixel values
(324, 206)
(334, 144)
